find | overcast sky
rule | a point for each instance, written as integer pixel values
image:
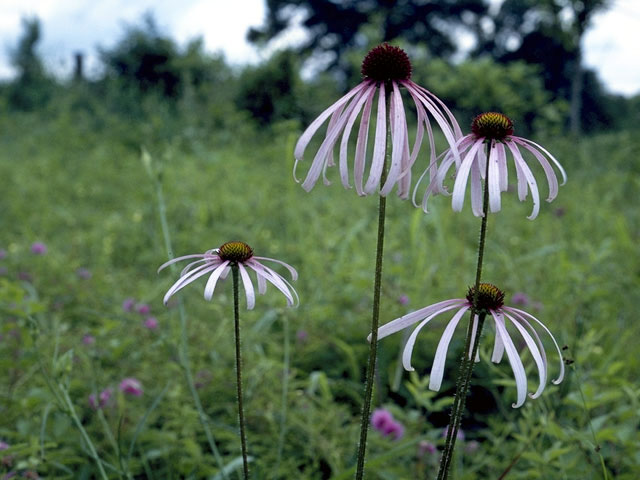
(71, 25)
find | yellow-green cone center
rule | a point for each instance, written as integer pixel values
(492, 125)
(237, 252)
(490, 297)
(385, 63)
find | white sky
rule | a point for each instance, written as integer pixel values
(72, 25)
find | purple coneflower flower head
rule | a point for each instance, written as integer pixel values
(151, 323)
(218, 262)
(490, 302)
(128, 304)
(38, 248)
(496, 130)
(385, 71)
(131, 386)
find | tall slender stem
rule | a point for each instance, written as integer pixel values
(183, 351)
(471, 344)
(375, 316)
(236, 321)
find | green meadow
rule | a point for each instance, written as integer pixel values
(112, 200)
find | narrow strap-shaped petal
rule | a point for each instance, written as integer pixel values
(494, 181)
(379, 144)
(248, 287)
(213, 280)
(179, 259)
(185, 280)
(533, 186)
(518, 313)
(498, 348)
(191, 265)
(306, 137)
(474, 330)
(361, 145)
(553, 159)
(502, 166)
(462, 175)
(437, 370)
(292, 271)
(451, 133)
(277, 280)
(319, 163)
(514, 360)
(408, 347)
(552, 180)
(367, 94)
(477, 200)
(398, 138)
(410, 318)
(535, 353)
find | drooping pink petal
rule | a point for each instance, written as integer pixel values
(213, 279)
(474, 330)
(462, 176)
(366, 96)
(518, 313)
(361, 146)
(292, 271)
(498, 348)
(535, 353)
(248, 287)
(178, 259)
(514, 360)
(526, 171)
(409, 319)
(398, 138)
(379, 145)
(437, 370)
(552, 180)
(494, 182)
(502, 166)
(553, 159)
(477, 199)
(188, 278)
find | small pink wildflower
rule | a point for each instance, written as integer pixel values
(3, 445)
(128, 304)
(103, 399)
(88, 339)
(3, 253)
(38, 248)
(403, 300)
(520, 298)
(83, 273)
(131, 386)
(426, 448)
(491, 303)
(143, 309)
(218, 261)
(383, 421)
(151, 323)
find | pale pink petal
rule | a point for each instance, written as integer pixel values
(187, 279)
(477, 199)
(533, 186)
(552, 180)
(437, 370)
(462, 176)
(535, 353)
(517, 312)
(408, 348)
(179, 259)
(361, 146)
(213, 279)
(553, 159)
(379, 145)
(409, 319)
(248, 287)
(292, 271)
(502, 166)
(474, 330)
(498, 348)
(366, 96)
(514, 360)
(398, 136)
(494, 182)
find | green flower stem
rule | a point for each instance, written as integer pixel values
(236, 319)
(74, 416)
(375, 316)
(468, 357)
(183, 352)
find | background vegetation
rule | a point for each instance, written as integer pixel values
(218, 142)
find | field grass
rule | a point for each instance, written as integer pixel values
(85, 193)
